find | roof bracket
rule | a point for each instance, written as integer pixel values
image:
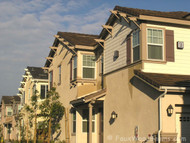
(124, 15)
(108, 28)
(115, 13)
(134, 19)
(100, 42)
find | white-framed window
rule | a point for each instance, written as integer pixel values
(85, 120)
(9, 111)
(155, 44)
(59, 81)
(88, 66)
(74, 68)
(44, 90)
(74, 121)
(136, 46)
(51, 79)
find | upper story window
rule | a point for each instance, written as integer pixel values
(9, 111)
(59, 74)
(155, 44)
(136, 46)
(88, 66)
(74, 69)
(44, 90)
(51, 79)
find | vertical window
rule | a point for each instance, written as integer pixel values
(34, 89)
(51, 79)
(85, 120)
(59, 74)
(88, 66)
(136, 46)
(44, 89)
(9, 111)
(74, 121)
(74, 70)
(155, 44)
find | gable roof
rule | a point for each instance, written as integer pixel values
(37, 72)
(180, 15)
(9, 99)
(79, 38)
(136, 12)
(157, 79)
(73, 39)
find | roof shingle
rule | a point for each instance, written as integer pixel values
(38, 73)
(136, 12)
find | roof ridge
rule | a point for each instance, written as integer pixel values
(77, 33)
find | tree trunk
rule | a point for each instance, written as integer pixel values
(35, 122)
(49, 131)
(20, 131)
(27, 132)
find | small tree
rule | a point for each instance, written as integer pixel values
(33, 111)
(52, 111)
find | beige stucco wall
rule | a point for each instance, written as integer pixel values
(169, 123)
(134, 102)
(69, 91)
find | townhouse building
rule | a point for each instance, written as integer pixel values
(74, 65)
(146, 66)
(34, 79)
(10, 107)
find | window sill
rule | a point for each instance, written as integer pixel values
(73, 134)
(83, 81)
(155, 61)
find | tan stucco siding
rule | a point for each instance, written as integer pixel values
(182, 58)
(116, 42)
(169, 122)
(134, 102)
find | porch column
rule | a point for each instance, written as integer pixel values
(90, 122)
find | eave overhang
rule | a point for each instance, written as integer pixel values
(89, 97)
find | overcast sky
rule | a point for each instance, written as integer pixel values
(27, 28)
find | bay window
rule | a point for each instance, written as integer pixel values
(44, 90)
(74, 69)
(155, 44)
(9, 111)
(136, 46)
(88, 66)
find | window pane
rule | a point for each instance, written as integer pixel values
(85, 126)
(88, 72)
(89, 60)
(136, 53)
(42, 96)
(155, 52)
(74, 126)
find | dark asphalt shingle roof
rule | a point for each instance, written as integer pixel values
(137, 12)
(9, 99)
(37, 72)
(158, 79)
(79, 38)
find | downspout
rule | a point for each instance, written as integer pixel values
(160, 114)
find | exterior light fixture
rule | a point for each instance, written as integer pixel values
(113, 115)
(170, 110)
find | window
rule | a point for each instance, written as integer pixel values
(19, 107)
(44, 90)
(51, 79)
(155, 44)
(9, 111)
(74, 69)
(74, 121)
(88, 66)
(136, 46)
(34, 89)
(85, 120)
(59, 74)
